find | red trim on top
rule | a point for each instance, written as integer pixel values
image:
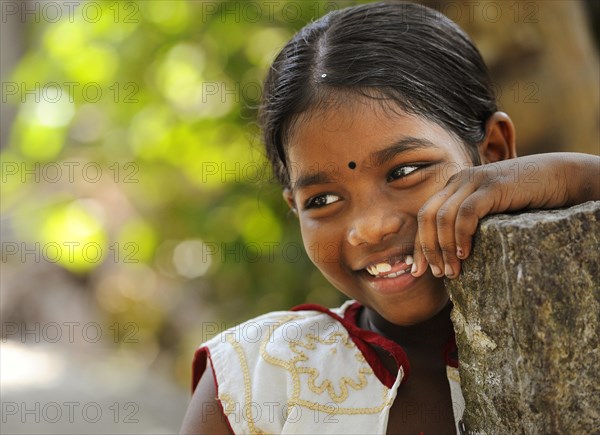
(198, 366)
(364, 339)
(373, 338)
(450, 352)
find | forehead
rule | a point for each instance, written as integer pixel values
(355, 128)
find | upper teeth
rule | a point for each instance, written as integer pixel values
(376, 269)
(383, 267)
(379, 268)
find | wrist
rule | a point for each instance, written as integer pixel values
(584, 170)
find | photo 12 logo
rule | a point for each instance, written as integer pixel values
(69, 412)
(69, 332)
(53, 92)
(69, 252)
(68, 171)
(266, 11)
(71, 11)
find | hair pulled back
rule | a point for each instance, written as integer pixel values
(403, 53)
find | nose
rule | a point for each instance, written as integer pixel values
(372, 225)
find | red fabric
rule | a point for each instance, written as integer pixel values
(450, 352)
(198, 366)
(364, 340)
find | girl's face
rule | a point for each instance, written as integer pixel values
(359, 175)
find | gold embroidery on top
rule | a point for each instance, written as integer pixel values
(247, 386)
(334, 409)
(228, 403)
(313, 374)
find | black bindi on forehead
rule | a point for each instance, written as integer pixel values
(352, 165)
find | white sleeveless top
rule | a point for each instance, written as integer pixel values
(311, 370)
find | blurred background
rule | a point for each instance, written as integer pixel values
(139, 216)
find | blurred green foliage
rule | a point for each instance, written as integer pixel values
(135, 162)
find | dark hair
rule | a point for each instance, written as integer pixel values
(405, 53)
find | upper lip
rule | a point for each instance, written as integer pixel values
(384, 256)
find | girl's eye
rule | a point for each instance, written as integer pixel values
(402, 171)
(321, 200)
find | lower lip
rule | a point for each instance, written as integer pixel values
(391, 285)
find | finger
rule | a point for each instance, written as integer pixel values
(419, 266)
(471, 210)
(446, 229)
(427, 229)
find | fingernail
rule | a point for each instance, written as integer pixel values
(436, 270)
(413, 269)
(448, 271)
(409, 260)
(459, 252)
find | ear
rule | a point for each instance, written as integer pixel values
(499, 143)
(289, 198)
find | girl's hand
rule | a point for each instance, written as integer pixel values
(448, 220)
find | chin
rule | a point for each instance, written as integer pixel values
(411, 312)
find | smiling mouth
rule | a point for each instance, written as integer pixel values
(391, 268)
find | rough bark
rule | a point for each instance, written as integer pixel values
(526, 315)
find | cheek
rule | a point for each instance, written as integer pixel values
(409, 204)
(322, 245)
(433, 185)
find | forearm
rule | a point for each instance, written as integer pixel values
(583, 177)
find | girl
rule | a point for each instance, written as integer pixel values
(381, 124)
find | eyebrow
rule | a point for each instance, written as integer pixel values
(406, 144)
(313, 178)
(377, 158)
